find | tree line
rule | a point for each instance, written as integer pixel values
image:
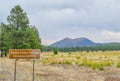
(18, 33)
(104, 47)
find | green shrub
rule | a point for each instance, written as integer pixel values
(78, 57)
(69, 53)
(55, 51)
(81, 64)
(61, 55)
(100, 67)
(108, 64)
(60, 63)
(69, 62)
(53, 63)
(93, 66)
(118, 64)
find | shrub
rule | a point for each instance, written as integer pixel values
(55, 51)
(78, 57)
(69, 62)
(61, 55)
(81, 64)
(100, 67)
(118, 64)
(108, 63)
(93, 66)
(69, 53)
(60, 63)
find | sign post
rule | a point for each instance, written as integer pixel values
(24, 54)
(33, 69)
(15, 70)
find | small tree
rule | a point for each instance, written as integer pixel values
(55, 51)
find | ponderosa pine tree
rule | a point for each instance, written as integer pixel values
(18, 34)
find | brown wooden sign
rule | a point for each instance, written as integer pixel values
(24, 53)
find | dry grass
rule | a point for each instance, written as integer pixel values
(63, 67)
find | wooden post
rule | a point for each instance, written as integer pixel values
(33, 69)
(15, 70)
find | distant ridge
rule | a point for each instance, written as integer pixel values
(77, 42)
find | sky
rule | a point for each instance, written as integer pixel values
(98, 20)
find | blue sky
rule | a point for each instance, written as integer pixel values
(98, 20)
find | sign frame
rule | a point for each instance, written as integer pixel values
(24, 53)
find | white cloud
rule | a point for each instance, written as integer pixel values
(56, 19)
(111, 36)
(107, 36)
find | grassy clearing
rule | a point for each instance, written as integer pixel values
(74, 66)
(95, 60)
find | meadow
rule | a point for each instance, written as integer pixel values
(94, 60)
(65, 66)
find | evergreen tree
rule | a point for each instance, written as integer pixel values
(4, 43)
(18, 18)
(18, 21)
(18, 34)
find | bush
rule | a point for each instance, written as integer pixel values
(55, 51)
(78, 57)
(61, 55)
(69, 53)
(118, 64)
(108, 63)
(93, 66)
(69, 62)
(100, 67)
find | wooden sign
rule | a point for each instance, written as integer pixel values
(24, 53)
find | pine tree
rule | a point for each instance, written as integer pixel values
(18, 34)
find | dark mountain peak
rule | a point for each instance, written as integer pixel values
(67, 38)
(68, 42)
(81, 39)
(76, 39)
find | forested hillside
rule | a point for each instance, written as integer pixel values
(81, 44)
(103, 47)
